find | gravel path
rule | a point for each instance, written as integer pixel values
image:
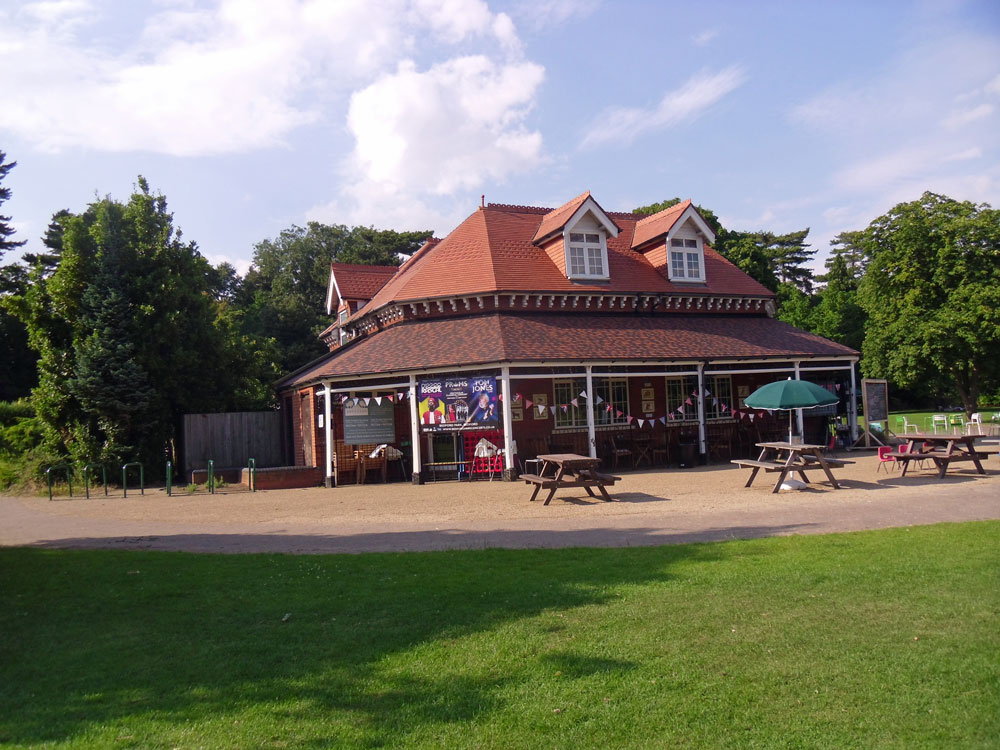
(704, 504)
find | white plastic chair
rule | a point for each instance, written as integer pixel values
(939, 420)
(975, 423)
(907, 425)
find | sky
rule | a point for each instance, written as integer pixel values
(251, 116)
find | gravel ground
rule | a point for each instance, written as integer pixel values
(650, 507)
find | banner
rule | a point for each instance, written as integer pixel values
(458, 403)
(373, 422)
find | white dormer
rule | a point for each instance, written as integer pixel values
(686, 248)
(585, 239)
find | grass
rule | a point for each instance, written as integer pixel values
(874, 639)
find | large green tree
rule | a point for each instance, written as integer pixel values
(932, 293)
(282, 295)
(6, 230)
(17, 362)
(130, 334)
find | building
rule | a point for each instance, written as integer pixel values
(612, 334)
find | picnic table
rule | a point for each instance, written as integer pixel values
(943, 451)
(569, 471)
(788, 458)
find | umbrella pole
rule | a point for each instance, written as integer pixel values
(790, 425)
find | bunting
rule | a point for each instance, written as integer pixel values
(598, 399)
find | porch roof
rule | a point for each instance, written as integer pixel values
(511, 337)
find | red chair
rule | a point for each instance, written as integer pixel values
(885, 457)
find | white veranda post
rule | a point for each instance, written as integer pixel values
(508, 422)
(414, 429)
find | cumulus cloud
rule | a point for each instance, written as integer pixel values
(230, 77)
(622, 125)
(439, 131)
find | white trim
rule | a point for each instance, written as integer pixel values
(585, 246)
(329, 293)
(508, 420)
(691, 214)
(591, 432)
(414, 427)
(328, 434)
(590, 206)
(702, 433)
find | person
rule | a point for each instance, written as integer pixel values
(432, 415)
(485, 410)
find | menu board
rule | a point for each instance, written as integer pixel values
(875, 400)
(371, 422)
(458, 403)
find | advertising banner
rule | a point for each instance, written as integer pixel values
(458, 403)
(373, 422)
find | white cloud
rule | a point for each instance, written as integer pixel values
(621, 125)
(230, 77)
(705, 37)
(542, 15)
(963, 117)
(438, 132)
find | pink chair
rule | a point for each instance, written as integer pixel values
(885, 457)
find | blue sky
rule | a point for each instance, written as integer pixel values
(253, 115)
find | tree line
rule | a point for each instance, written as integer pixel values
(117, 325)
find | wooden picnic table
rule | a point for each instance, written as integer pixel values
(788, 458)
(569, 471)
(944, 450)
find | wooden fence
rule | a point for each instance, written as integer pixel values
(231, 438)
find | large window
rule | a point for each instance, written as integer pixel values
(686, 260)
(613, 391)
(720, 390)
(679, 390)
(586, 256)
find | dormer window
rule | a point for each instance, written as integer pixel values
(587, 256)
(343, 316)
(686, 259)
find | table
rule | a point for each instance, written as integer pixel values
(945, 449)
(796, 459)
(569, 471)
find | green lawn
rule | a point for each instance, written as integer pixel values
(876, 639)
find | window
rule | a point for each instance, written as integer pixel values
(720, 392)
(343, 316)
(679, 390)
(685, 259)
(613, 392)
(586, 256)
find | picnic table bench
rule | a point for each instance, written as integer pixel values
(797, 459)
(570, 471)
(945, 450)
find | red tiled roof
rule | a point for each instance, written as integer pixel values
(556, 219)
(507, 337)
(493, 251)
(361, 282)
(658, 224)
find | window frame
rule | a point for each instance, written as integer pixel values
(690, 248)
(586, 246)
(613, 391)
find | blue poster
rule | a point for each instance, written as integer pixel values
(450, 404)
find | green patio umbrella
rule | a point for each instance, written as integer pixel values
(790, 394)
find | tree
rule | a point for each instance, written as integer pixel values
(743, 250)
(52, 241)
(838, 316)
(932, 294)
(282, 295)
(848, 246)
(6, 230)
(129, 334)
(789, 254)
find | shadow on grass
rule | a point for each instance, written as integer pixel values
(157, 641)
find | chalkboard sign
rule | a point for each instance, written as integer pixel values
(372, 422)
(875, 400)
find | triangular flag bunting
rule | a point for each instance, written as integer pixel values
(343, 398)
(707, 393)
(689, 403)
(598, 399)
(630, 419)
(680, 409)
(541, 409)
(663, 420)
(390, 397)
(574, 402)
(642, 422)
(552, 409)
(528, 402)
(609, 408)
(583, 394)
(565, 408)
(618, 413)
(378, 400)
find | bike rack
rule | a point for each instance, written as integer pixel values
(142, 478)
(69, 478)
(86, 478)
(170, 474)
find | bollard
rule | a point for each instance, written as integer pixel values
(252, 474)
(211, 476)
(170, 473)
